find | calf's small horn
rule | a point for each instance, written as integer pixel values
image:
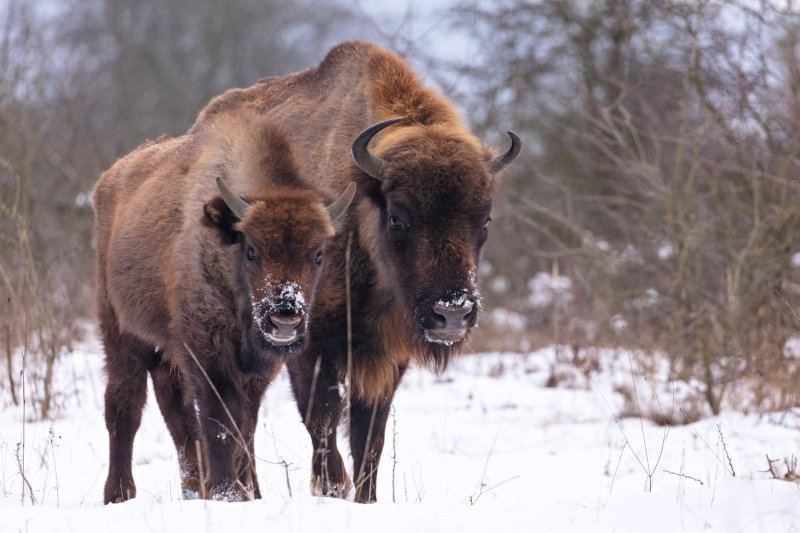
(234, 203)
(499, 163)
(340, 205)
(372, 165)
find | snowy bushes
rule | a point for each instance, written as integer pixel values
(661, 181)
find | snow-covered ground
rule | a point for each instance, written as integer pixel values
(486, 447)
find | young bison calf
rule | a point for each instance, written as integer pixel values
(208, 251)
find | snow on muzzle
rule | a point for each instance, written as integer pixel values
(447, 320)
(282, 317)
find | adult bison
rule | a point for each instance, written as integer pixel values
(420, 218)
(208, 250)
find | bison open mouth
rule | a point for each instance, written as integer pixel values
(284, 328)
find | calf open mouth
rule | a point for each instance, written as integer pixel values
(284, 328)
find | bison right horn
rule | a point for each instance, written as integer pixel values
(372, 165)
(340, 205)
(499, 163)
(234, 203)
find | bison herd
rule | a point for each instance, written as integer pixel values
(331, 221)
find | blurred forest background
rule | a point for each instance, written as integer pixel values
(656, 205)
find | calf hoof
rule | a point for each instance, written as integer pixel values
(324, 486)
(118, 491)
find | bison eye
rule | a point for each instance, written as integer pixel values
(252, 255)
(318, 257)
(396, 223)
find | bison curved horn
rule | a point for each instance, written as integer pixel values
(340, 205)
(499, 163)
(374, 166)
(234, 203)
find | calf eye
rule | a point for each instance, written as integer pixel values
(252, 255)
(318, 257)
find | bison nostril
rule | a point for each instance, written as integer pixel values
(453, 314)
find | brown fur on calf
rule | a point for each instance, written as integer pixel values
(417, 229)
(205, 283)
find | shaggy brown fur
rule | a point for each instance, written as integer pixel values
(417, 237)
(190, 293)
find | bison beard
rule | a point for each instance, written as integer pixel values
(418, 223)
(217, 280)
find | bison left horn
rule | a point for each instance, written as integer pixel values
(372, 165)
(499, 163)
(234, 203)
(340, 205)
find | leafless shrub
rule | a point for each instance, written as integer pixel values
(660, 178)
(788, 472)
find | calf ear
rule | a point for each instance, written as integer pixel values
(218, 216)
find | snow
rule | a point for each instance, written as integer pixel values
(548, 289)
(501, 442)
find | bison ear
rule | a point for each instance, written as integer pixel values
(218, 216)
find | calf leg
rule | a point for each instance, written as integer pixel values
(222, 423)
(245, 461)
(177, 407)
(127, 360)
(316, 389)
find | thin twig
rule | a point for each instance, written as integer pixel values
(25, 482)
(201, 470)
(55, 466)
(349, 378)
(699, 436)
(641, 423)
(485, 468)
(619, 460)
(725, 447)
(394, 450)
(482, 492)
(682, 475)
(313, 390)
(362, 475)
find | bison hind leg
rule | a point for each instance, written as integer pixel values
(127, 361)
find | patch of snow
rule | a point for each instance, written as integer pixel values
(791, 348)
(499, 284)
(546, 289)
(619, 323)
(492, 446)
(508, 319)
(665, 251)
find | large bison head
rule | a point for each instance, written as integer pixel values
(434, 194)
(279, 240)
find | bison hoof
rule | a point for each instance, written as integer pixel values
(228, 492)
(118, 492)
(330, 488)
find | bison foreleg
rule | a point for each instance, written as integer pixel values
(367, 428)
